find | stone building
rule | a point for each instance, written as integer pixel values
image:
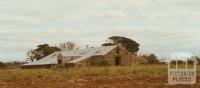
(113, 55)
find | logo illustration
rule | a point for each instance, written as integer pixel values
(182, 69)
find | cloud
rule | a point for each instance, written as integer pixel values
(160, 26)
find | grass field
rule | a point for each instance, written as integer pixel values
(136, 76)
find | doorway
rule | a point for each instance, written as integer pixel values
(117, 61)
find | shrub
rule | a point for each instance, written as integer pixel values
(58, 66)
(142, 62)
(151, 59)
(2, 65)
(102, 63)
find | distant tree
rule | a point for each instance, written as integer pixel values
(130, 45)
(42, 51)
(67, 46)
(63, 46)
(2, 65)
(87, 46)
(30, 55)
(45, 50)
(151, 59)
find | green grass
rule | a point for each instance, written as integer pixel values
(135, 70)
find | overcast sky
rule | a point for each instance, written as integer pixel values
(160, 26)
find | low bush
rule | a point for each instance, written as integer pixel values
(59, 66)
(2, 65)
(142, 62)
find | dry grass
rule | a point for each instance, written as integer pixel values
(135, 70)
(139, 75)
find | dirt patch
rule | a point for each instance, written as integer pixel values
(93, 82)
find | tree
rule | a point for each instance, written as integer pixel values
(130, 45)
(67, 46)
(63, 46)
(2, 65)
(31, 55)
(42, 51)
(151, 59)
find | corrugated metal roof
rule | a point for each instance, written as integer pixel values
(51, 59)
(83, 53)
(89, 51)
(86, 53)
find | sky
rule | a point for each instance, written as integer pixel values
(159, 26)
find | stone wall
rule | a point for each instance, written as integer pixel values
(126, 58)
